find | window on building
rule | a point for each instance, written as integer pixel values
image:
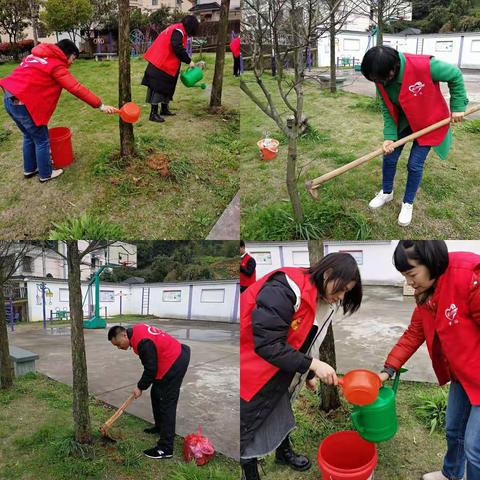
(356, 254)
(154, 3)
(262, 258)
(444, 46)
(107, 296)
(475, 47)
(212, 295)
(172, 296)
(27, 264)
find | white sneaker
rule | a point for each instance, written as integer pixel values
(434, 476)
(55, 174)
(405, 216)
(381, 199)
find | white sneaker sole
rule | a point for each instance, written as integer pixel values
(159, 458)
(380, 206)
(404, 224)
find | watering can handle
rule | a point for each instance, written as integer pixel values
(397, 378)
(356, 424)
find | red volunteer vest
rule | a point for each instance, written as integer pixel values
(168, 348)
(235, 47)
(421, 100)
(161, 53)
(458, 333)
(255, 372)
(245, 280)
(32, 83)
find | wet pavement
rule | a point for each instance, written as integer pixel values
(209, 395)
(364, 339)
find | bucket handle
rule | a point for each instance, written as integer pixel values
(397, 379)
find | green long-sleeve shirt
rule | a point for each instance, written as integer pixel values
(441, 72)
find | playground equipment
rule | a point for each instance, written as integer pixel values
(312, 185)
(107, 425)
(377, 422)
(191, 76)
(61, 146)
(96, 321)
(129, 113)
(44, 292)
(145, 300)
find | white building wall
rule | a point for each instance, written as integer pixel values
(459, 49)
(202, 300)
(374, 257)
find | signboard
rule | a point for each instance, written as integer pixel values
(172, 296)
(107, 296)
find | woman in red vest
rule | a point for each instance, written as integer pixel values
(236, 52)
(164, 59)
(284, 318)
(165, 362)
(447, 317)
(31, 94)
(411, 99)
(248, 265)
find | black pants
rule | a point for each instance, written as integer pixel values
(164, 395)
(236, 66)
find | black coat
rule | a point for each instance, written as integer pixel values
(271, 321)
(160, 81)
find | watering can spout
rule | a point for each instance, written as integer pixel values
(397, 378)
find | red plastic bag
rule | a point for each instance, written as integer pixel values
(197, 448)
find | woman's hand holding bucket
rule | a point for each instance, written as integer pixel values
(384, 376)
(324, 372)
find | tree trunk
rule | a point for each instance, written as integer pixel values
(6, 367)
(127, 139)
(333, 60)
(292, 186)
(34, 15)
(329, 398)
(380, 22)
(81, 415)
(217, 85)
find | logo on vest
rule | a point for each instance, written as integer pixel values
(34, 59)
(154, 331)
(296, 323)
(451, 314)
(416, 88)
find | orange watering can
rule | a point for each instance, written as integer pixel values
(360, 387)
(129, 113)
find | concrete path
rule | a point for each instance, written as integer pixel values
(357, 83)
(365, 339)
(228, 225)
(209, 395)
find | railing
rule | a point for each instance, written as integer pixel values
(15, 292)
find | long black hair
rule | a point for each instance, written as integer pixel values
(433, 254)
(190, 23)
(341, 269)
(378, 62)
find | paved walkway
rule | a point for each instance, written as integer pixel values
(228, 225)
(209, 394)
(365, 339)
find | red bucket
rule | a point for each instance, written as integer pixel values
(347, 456)
(61, 146)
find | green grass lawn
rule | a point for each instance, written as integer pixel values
(202, 149)
(35, 441)
(407, 456)
(345, 128)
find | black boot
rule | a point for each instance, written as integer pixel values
(165, 111)
(250, 469)
(154, 116)
(286, 456)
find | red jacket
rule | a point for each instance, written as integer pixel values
(450, 324)
(235, 47)
(255, 372)
(39, 80)
(161, 53)
(421, 100)
(245, 280)
(168, 348)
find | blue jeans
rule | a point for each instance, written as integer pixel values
(463, 436)
(36, 144)
(416, 160)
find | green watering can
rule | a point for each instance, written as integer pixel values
(191, 76)
(377, 422)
